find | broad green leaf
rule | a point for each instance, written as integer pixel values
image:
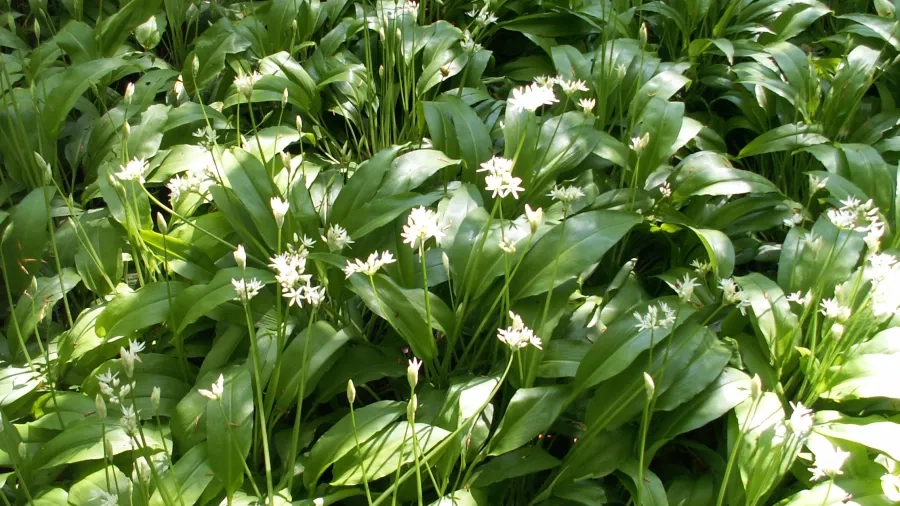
(230, 421)
(756, 426)
(593, 457)
(84, 441)
(818, 259)
(319, 345)
(181, 256)
(25, 239)
(379, 212)
(466, 497)
(562, 357)
(36, 302)
(103, 245)
(862, 490)
(392, 304)
(620, 345)
(661, 121)
(652, 491)
(568, 250)
(409, 170)
(363, 185)
(146, 306)
(524, 461)
(109, 479)
(113, 30)
(709, 173)
(719, 249)
(785, 138)
(210, 49)
(686, 490)
(531, 411)
(777, 327)
(705, 366)
(252, 190)
(876, 432)
(187, 479)
(197, 301)
(382, 454)
(868, 371)
(458, 131)
(338, 441)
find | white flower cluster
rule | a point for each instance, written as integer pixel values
(565, 194)
(499, 179)
(834, 310)
(111, 388)
(244, 83)
(290, 272)
(801, 421)
(656, 317)
(517, 335)
(215, 390)
(133, 171)
(197, 179)
(370, 266)
(483, 16)
(861, 217)
(246, 290)
(336, 238)
(884, 271)
(421, 226)
(702, 267)
(732, 294)
(828, 463)
(685, 287)
(532, 97)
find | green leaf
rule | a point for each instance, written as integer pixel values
(823, 257)
(361, 364)
(321, 344)
(338, 441)
(210, 49)
(377, 213)
(662, 121)
(83, 440)
(231, 422)
(197, 301)
(248, 178)
(785, 138)
(392, 304)
(109, 479)
(25, 239)
(568, 249)
(521, 462)
(562, 357)
(37, 302)
(458, 131)
(776, 325)
(385, 452)
(408, 171)
(104, 242)
(719, 249)
(146, 306)
(876, 432)
(363, 185)
(652, 491)
(868, 371)
(531, 411)
(621, 344)
(709, 173)
(187, 479)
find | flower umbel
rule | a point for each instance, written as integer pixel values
(532, 97)
(421, 226)
(517, 335)
(133, 171)
(370, 266)
(500, 180)
(246, 290)
(566, 194)
(656, 317)
(828, 463)
(336, 238)
(215, 391)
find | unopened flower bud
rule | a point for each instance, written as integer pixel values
(649, 385)
(195, 65)
(240, 257)
(286, 160)
(37, 30)
(299, 122)
(129, 92)
(161, 224)
(411, 407)
(351, 391)
(100, 404)
(23, 450)
(755, 387)
(154, 398)
(535, 217)
(445, 261)
(126, 129)
(412, 372)
(284, 97)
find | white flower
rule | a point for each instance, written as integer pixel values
(532, 97)
(828, 463)
(215, 391)
(833, 309)
(685, 287)
(587, 105)
(318, 501)
(816, 184)
(412, 372)
(565, 194)
(308, 293)
(421, 226)
(801, 421)
(130, 356)
(535, 217)
(798, 298)
(290, 267)
(280, 208)
(483, 16)
(129, 421)
(731, 294)
(143, 472)
(665, 190)
(517, 335)
(545, 81)
(656, 317)
(155, 394)
(639, 143)
(336, 238)
(246, 290)
(571, 86)
(507, 246)
(370, 266)
(133, 171)
(890, 486)
(794, 220)
(245, 82)
(500, 180)
(701, 266)
(104, 498)
(240, 256)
